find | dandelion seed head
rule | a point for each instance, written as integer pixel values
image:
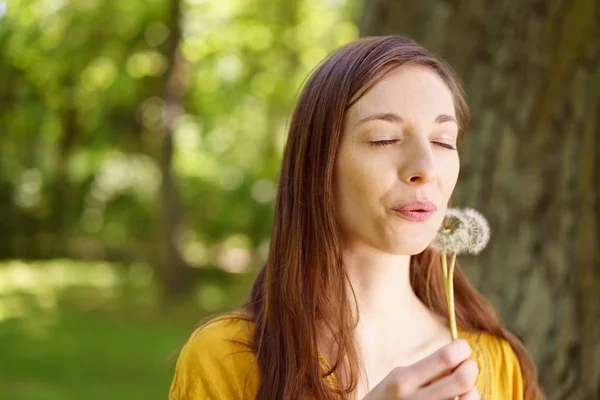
(453, 236)
(454, 219)
(478, 230)
(462, 231)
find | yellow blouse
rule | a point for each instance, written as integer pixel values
(211, 367)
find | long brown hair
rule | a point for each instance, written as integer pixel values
(302, 286)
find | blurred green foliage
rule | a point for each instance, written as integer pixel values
(79, 84)
(81, 105)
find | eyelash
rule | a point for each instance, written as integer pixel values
(381, 143)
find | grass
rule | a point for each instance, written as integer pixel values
(86, 356)
(84, 344)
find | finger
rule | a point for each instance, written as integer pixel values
(472, 394)
(440, 362)
(458, 383)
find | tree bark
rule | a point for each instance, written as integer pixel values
(61, 202)
(530, 163)
(174, 268)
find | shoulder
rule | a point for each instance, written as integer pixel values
(221, 331)
(217, 361)
(500, 374)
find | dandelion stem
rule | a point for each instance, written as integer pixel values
(452, 262)
(449, 291)
(444, 266)
(449, 286)
(450, 297)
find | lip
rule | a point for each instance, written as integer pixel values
(415, 210)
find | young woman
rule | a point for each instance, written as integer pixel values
(350, 303)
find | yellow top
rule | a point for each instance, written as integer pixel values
(210, 367)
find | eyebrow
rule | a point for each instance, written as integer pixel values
(440, 119)
(396, 119)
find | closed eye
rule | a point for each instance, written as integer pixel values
(445, 145)
(383, 142)
(392, 141)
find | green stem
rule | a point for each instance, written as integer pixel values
(444, 266)
(449, 291)
(452, 263)
(445, 272)
(450, 297)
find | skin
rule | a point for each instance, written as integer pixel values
(411, 161)
(398, 144)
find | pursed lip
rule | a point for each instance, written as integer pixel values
(415, 210)
(415, 205)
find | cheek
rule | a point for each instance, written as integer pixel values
(350, 184)
(357, 183)
(449, 176)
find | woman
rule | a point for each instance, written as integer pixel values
(350, 302)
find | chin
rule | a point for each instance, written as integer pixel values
(410, 244)
(408, 249)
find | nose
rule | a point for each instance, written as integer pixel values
(418, 164)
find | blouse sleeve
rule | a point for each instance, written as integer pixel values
(211, 367)
(514, 372)
(508, 376)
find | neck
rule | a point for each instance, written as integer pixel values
(381, 284)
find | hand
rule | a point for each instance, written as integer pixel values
(443, 375)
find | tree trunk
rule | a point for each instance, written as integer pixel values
(174, 276)
(530, 163)
(61, 202)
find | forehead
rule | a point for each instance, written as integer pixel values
(412, 91)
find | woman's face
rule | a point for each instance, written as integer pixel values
(398, 147)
